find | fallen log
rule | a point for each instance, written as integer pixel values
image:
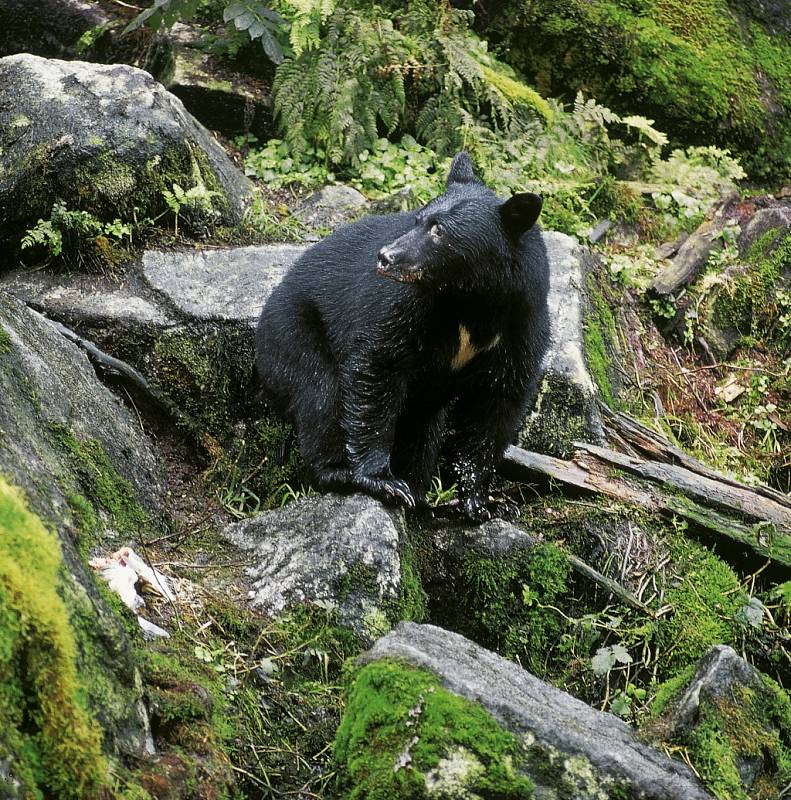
(723, 507)
(637, 439)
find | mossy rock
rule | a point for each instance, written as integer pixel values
(708, 71)
(107, 140)
(430, 714)
(734, 723)
(349, 554)
(752, 298)
(53, 743)
(404, 735)
(88, 472)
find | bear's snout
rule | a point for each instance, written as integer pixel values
(385, 260)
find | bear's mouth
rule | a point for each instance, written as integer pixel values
(401, 275)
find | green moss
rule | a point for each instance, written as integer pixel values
(55, 745)
(412, 601)
(111, 188)
(615, 201)
(560, 418)
(702, 70)
(5, 341)
(404, 735)
(208, 373)
(705, 598)
(517, 92)
(600, 336)
(359, 577)
(668, 690)
(100, 483)
(750, 727)
(570, 776)
(85, 523)
(748, 302)
(205, 372)
(505, 604)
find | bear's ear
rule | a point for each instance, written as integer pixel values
(520, 212)
(461, 170)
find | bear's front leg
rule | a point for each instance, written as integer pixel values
(483, 425)
(374, 391)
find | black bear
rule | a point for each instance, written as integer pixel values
(404, 335)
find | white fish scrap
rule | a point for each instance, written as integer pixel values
(123, 570)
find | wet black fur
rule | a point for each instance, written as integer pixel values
(360, 360)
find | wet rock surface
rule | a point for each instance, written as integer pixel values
(59, 426)
(342, 551)
(47, 382)
(332, 206)
(46, 27)
(593, 754)
(89, 301)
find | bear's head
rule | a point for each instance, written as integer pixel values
(465, 235)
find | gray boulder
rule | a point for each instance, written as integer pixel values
(225, 285)
(48, 28)
(331, 207)
(103, 139)
(343, 552)
(88, 472)
(566, 748)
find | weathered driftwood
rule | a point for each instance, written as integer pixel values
(722, 506)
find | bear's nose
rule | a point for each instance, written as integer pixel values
(385, 259)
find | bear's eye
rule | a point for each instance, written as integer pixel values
(437, 231)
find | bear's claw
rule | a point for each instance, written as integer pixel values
(388, 490)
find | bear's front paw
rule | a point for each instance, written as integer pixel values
(388, 490)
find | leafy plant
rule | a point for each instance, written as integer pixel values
(287, 494)
(46, 234)
(607, 657)
(237, 498)
(438, 494)
(699, 175)
(73, 226)
(276, 165)
(197, 199)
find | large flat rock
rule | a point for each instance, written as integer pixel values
(88, 300)
(577, 739)
(223, 284)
